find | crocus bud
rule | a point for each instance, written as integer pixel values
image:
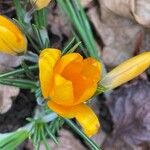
(126, 71)
(12, 40)
(39, 4)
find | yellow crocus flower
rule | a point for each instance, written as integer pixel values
(40, 3)
(126, 71)
(67, 82)
(12, 40)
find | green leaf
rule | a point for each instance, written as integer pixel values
(9, 141)
(41, 17)
(80, 23)
(38, 35)
(68, 45)
(17, 71)
(19, 11)
(27, 70)
(56, 124)
(74, 48)
(44, 139)
(42, 36)
(51, 134)
(92, 144)
(20, 83)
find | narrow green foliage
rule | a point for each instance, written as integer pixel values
(10, 141)
(38, 92)
(73, 48)
(81, 45)
(38, 36)
(56, 125)
(68, 45)
(41, 133)
(19, 11)
(20, 83)
(40, 18)
(36, 137)
(41, 37)
(50, 134)
(27, 70)
(41, 22)
(17, 71)
(79, 20)
(45, 142)
(91, 144)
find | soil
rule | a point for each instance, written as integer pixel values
(22, 108)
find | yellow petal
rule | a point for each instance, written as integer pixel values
(91, 72)
(12, 40)
(87, 94)
(71, 71)
(40, 3)
(47, 61)
(69, 67)
(66, 60)
(84, 115)
(64, 111)
(126, 71)
(84, 75)
(63, 91)
(88, 120)
(92, 69)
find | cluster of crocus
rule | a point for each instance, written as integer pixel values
(12, 40)
(68, 81)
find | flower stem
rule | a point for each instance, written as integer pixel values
(92, 144)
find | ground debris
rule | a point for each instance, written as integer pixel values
(130, 110)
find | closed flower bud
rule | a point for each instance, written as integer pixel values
(12, 40)
(126, 71)
(39, 4)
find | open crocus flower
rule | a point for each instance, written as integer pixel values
(40, 3)
(12, 40)
(126, 71)
(67, 82)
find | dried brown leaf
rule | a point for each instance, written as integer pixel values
(130, 110)
(6, 95)
(122, 37)
(7, 62)
(85, 3)
(137, 9)
(141, 11)
(118, 35)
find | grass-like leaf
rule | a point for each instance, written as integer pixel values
(80, 23)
